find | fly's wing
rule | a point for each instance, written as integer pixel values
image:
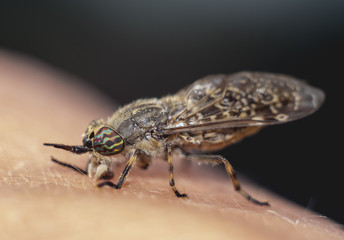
(241, 100)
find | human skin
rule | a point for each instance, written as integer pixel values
(40, 199)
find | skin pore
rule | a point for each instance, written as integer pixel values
(41, 199)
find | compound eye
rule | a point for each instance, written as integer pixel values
(107, 142)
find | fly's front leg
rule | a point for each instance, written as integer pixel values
(170, 169)
(217, 159)
(123, 175)
(75, 168)
(98, 170)
(103, 172)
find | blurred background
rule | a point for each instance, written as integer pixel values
(135, 49)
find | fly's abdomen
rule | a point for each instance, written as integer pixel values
(208, 141)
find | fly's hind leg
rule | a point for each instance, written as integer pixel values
(217, 159)
(170, 169)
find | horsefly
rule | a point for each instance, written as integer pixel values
(208, 115)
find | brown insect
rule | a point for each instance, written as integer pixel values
(206, 116)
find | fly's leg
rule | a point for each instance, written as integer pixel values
(102, 171)
(75, 168)
(123, 175)
(170, 169)
(217, 159)
(143, 161)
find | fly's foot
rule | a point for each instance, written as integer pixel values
(178, 194)
(182, 195)
(251, 199)
(108, 183)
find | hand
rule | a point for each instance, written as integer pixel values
(40, 199)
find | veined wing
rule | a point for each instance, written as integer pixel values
(241, 100)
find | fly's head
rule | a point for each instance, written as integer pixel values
(103, 139)
(99, 138)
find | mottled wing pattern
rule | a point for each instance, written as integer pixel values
(241, 100)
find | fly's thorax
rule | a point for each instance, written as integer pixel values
(134, 120)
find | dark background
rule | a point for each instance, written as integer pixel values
(135, 49)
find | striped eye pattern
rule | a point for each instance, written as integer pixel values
(107, 142)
